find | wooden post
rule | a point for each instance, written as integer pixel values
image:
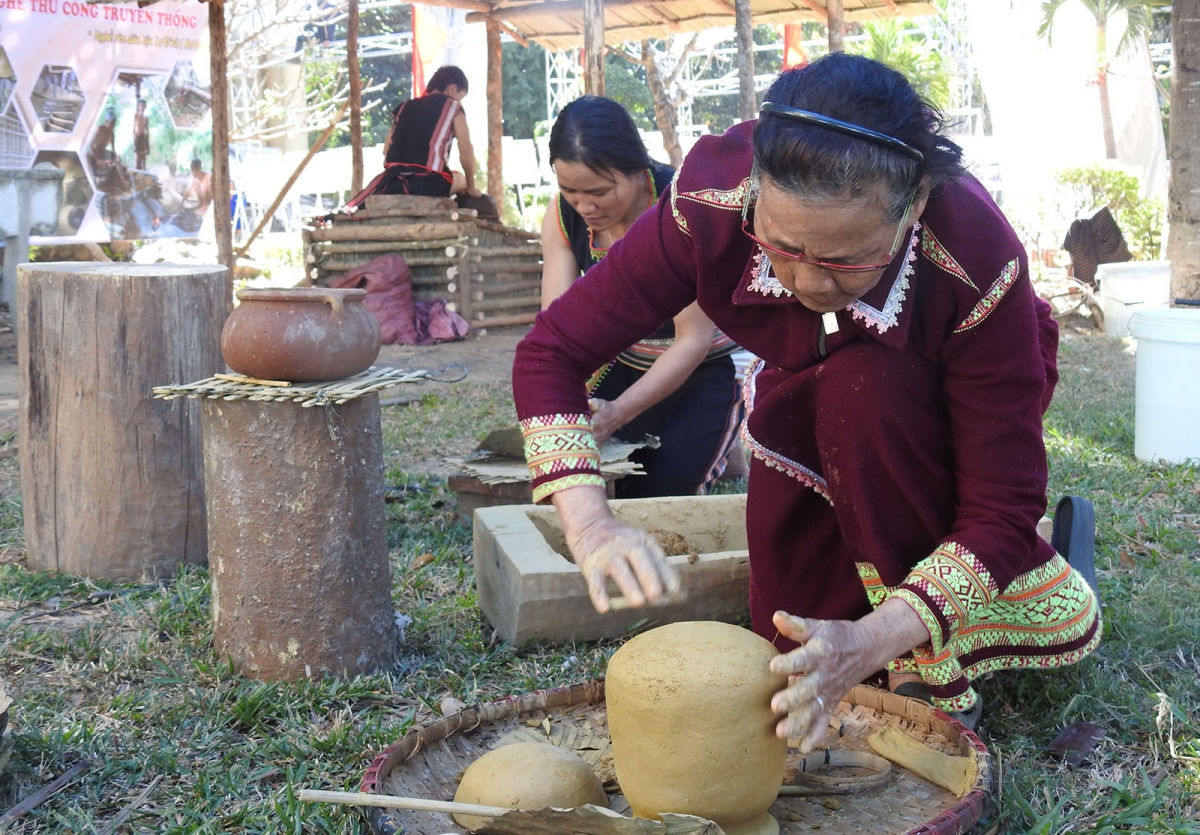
(836, 23)
(593, 47)
(219, 79)
(495, 114)
(356, 145)
(111, 480)
(744, 24)
(298, 538)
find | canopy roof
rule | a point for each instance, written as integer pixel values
(558, 24)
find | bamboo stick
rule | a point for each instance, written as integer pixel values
(508, 230)
(482, 321)
(507, 304)
(418, 204)
(412, 261)
(487, 270)
(450, 246)
(392, 213)
(492, 290)
(481, 253)
(412, 804)
(399, 232)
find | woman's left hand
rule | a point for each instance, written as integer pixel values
(830, 660)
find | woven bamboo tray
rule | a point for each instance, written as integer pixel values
(429, 760)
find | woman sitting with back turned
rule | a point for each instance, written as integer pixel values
(678, 384)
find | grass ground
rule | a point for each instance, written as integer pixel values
(124, 676)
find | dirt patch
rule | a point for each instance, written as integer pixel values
(487, 359)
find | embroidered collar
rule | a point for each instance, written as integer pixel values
(763, 281)
(887, 318)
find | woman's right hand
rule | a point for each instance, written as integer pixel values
(605, 549)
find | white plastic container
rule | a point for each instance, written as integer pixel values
(1131, 286)
(1167, 384)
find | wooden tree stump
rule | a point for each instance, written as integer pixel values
(298, 538)
(112, 480)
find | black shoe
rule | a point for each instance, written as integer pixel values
(919, 690)
(1075, 537)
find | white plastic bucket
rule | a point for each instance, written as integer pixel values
(1167, 388)
(1131, 286)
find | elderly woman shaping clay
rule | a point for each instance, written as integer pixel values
(899, 470)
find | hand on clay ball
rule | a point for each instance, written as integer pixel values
(632, 558)
(829, 661)
(605, 419)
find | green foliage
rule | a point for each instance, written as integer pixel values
(1139, 19)
(1110, 184)
(524, 80)
(625, 83)
(913, 55)
(394, 72)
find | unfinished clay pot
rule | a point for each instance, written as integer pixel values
(528, 775)
(689, 712)
(301, 335)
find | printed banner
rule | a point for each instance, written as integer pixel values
(117, 97)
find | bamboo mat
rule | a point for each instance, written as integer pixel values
(332, 392)
(428, 760)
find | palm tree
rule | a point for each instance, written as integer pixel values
(1137, 22)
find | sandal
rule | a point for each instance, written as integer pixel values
(1074, 537)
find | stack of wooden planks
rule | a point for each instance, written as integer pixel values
(488, 272)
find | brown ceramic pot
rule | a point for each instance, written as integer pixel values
(301, 335)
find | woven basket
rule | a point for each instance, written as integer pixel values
(429, 761)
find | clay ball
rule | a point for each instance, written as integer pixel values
(528, 775)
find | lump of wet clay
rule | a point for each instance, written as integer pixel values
(689, 712)
(528, 775)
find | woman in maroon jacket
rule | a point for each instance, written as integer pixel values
(895, 419)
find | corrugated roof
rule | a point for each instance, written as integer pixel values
(558, 24)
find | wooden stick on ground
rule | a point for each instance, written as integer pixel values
(42, 794)
(414, 804)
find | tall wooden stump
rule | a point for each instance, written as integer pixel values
(112, 480)
(297, 537)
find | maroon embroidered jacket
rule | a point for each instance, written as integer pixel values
(960, 297)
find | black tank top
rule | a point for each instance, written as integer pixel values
(422, 130)
(576, 229)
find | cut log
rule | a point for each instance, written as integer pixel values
(411, 260)
(494, 290)
(298, 537)
(484, 253)
(451, 246)
(506, 304)
(482, 321)
(111, 480)
(508, 230)
(412, 203)
(493, 269)
(398, 232)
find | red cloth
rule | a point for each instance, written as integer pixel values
(437, 323)
(388, 283)
(915, 446)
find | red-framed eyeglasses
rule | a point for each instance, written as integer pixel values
(828, 265)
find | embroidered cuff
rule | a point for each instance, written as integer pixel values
(945, 589)
(561, 452)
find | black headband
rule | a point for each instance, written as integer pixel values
(829, 123)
